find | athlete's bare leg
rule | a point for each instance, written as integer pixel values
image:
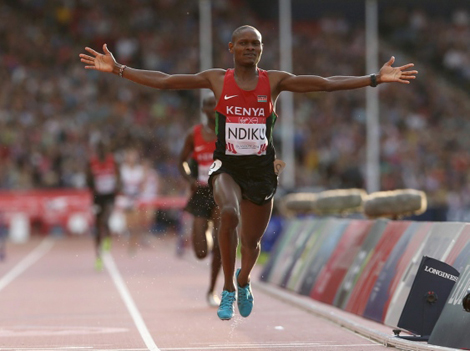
(102, 226)
(134, 228)
(147, 216)
(227, 195)
(255, 219)
(199, 239)
(99, 232)
(216, 257)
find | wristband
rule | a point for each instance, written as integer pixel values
(373, 80)
(121, 70)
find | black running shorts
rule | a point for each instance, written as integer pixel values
(258, 185)
(103, 201)
(201, 203)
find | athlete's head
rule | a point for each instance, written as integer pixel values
(147, 164)
(246, 45)
(131, 156)
(101, 149)
(208, 106)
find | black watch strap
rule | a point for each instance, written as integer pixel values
(373, 80)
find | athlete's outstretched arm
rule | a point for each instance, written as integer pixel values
(155, 79)
(306, 83)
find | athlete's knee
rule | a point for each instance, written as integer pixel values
(229, 217)
(200, 247)
(200, 251)
(200, 254)
(250, 243)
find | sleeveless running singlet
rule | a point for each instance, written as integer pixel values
(203, 153)
(132, 178)
(104, 174)
(244, 124)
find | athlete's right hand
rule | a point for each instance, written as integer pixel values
(99, 62)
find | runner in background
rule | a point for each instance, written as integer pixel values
(132, 178)
(200, 145)
(103, 181)
(148, 194)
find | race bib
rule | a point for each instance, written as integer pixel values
(247, 137)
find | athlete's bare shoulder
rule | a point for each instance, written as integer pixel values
(216, 78)
(214, 72)
(275, 78)
(278, 75)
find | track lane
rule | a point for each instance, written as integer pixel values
(61, 303)
(170, 293)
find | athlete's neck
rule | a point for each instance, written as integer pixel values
(210, 125)
(243, 74)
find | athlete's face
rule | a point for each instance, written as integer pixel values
(208, 107)
(247, 47)
(132, 157)
(101, 149)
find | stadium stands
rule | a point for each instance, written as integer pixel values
(52, 110)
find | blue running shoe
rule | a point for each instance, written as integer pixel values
(226, 310)
(245, 298)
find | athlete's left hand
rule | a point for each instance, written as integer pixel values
(400, 74)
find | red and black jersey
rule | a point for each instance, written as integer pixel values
(104, 175)
(244, 124)
(203, 153)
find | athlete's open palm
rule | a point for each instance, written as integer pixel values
(396, 74)
(99, 62)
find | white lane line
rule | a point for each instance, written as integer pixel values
(286, 346)
(26, 262)
(199, 348)
(129, 302)
(64, 348)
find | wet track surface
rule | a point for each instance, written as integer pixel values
(51, 298)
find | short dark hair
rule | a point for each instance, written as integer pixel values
(242, 28)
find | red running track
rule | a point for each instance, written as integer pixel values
(51, 298)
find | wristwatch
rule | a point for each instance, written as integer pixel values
(373, 80)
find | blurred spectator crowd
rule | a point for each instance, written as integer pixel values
(52, 111)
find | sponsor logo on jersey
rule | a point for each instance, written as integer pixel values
(229, 97)
(244, 111)
(199, 148)
(205, 157)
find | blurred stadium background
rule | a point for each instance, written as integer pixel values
(52, 111)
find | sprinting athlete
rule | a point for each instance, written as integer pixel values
(103, 181)
(200, 145)
(243, 178)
